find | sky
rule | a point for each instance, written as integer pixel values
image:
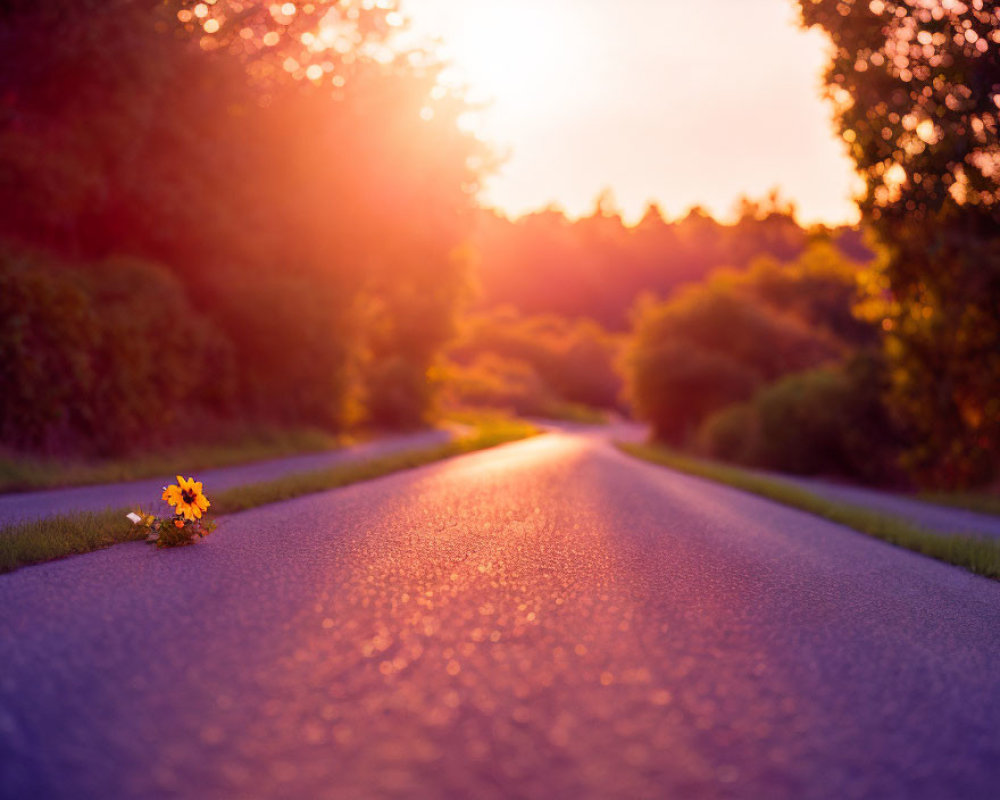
(681, 102)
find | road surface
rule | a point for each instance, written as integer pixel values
(548, 619)
(34, 505)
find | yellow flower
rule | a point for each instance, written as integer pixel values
(187, 497)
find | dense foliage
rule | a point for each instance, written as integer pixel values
(828, 421)
(543, 365)
(80, 354)
(288, 217)
(716, 343)
(916, 88)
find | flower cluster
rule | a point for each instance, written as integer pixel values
(188, 502)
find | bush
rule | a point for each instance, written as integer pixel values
(536, 363)
(714, 344)
(720, 319)
(492, 381)
(709, 348)
(398, 393)
(805, 422)
(584, 369)
(821, 288)
(731, 434)
(158, 365)
(102, 360)
(828, 421)
(47, 344)
(676, 385)
(292, 335)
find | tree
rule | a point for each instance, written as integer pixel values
(916, 90)
(710, 346)
(272, 157)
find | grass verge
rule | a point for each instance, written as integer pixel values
(981, 556)
(576, 412)
(980, 503)
(20, 473)
(34, 541)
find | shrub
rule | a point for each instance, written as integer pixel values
(708, 348)
(492, 381)
(676, 385)
(545, 361)
(731, 434)
(751, 328)
(93, 360)
(398, 393)
(291, 334)
(828, 421)
(805, 422)
(47, 343)
(821, 288)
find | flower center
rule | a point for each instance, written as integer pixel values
(187, 496)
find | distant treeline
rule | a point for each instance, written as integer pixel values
(597, 266)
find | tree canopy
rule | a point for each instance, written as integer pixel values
(312, 219)
(916, 90)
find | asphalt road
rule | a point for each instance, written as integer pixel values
(549, 619)
(34, 505)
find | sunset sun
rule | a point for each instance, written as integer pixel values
(667, 101)
(518, 59)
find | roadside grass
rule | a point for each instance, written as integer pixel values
(21, 473)
(980, 503)
(576, 412)
(981, 556)
(35, 541)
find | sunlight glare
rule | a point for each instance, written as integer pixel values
(679, 102)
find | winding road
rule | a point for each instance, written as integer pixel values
(547, 619)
